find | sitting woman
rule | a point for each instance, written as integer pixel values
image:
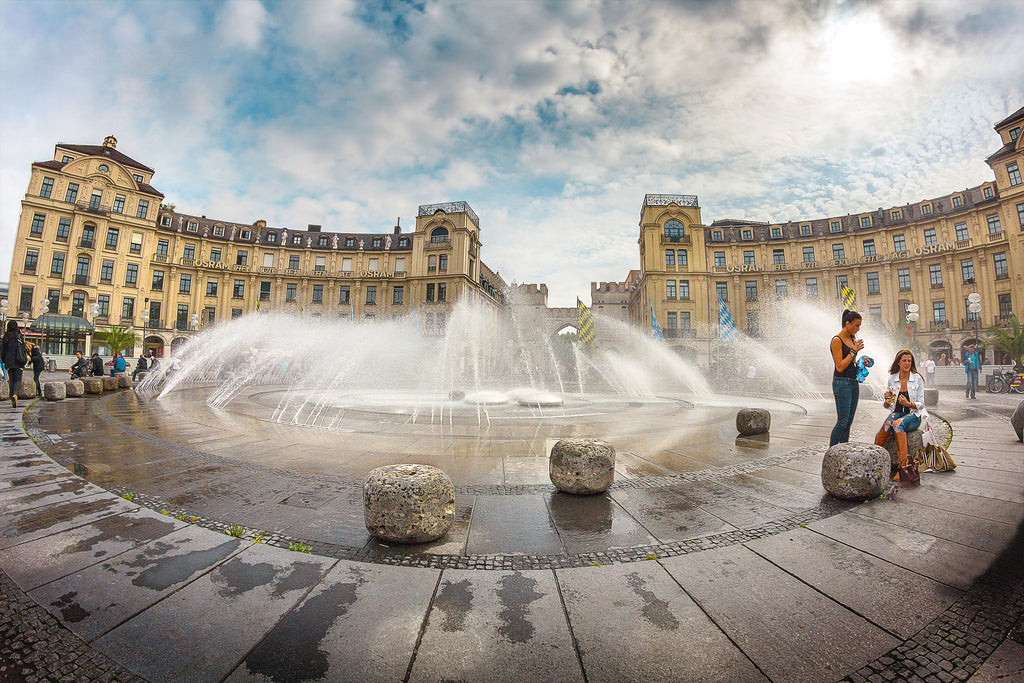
(904, 394)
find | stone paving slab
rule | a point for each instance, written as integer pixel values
(202, 631)
(668, 514)
(512, 524)
(361, 623)
(497, 626)
(632, 622)
(594, 523)
(1006, 665)
(45, 495)
(790, 631)
(28, 525)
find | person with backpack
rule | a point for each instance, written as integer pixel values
(15, 357)
(38, 365)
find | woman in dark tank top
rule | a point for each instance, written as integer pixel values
(845, 388)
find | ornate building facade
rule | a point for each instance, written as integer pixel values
(934, 253)
(97, 249)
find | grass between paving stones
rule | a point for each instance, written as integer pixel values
(300, 547)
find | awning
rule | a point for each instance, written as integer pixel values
(54, 322)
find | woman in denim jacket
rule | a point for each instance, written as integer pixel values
(904, 394)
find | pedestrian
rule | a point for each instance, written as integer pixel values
(15, 357)
(845, 388)
(929, 371)
(80, 368)
(97, 365)
(120, 365)
(141, 366)
(972, 366)
(38, 364)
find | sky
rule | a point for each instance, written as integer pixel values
(552, 118)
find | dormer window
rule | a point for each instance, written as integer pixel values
(835, 226)
(926, 209)
(192, 226)
(67, 159)
(865, 221)
(377, 242)
(246, 234)
(988, 192)
(958, 202)
(403, 242)
(297, 240)
(776, 233)
(271, 237)
(896, 215)
(805, 230)
(350, 241)
(716, 235)
(166, 221)
(218, 230)
(322, 241)
(137, 177)
(1015, 133)
(748, 234)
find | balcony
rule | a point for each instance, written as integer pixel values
(937, 285)
(29, 270)
(82, 280)
(93, 207)
(969, 281)
(181, 325)
(86, 243)
(751, 298)
(675, 239)
(439, 244)
(969, 323)
(684, 333)
(938, 326)
(996, 236)
(1003, 276)
(153, 323)
(265, 296)
(160, 258)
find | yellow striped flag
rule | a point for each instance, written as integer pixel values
(586, 323)
(849, 298)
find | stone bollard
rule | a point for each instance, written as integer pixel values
(856, 471)
(141, 376)
(1017, 421)
(55, 391)
(582, 466)
(5, 391)
(109, 383)
(93, 385)
(74, 388)
(123, 381)
(408, 503)
(28, 387)
(750, 421)
(931, 397)
(915, 442)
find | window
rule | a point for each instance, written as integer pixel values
(112, 236)
(1000, 264)
(238, 291)
(82, 271)
(293, 262)
(1005, 308)
(118, 204)
(748, 258)
(343, 295)
(182, 321)
(63, 229)
(994, 225)
(961, 231)
(958, 202)
(671, 321)
(753, 324)
(1020, 214)
(865, 221)
(841, 282)
(967, 270)
(834, 226)
(684, 289)
(442, 290)
(899, 243)
(682, 258)
(192, 226)
(371, 295)
(143, 209)
(716, 235)
(869, 247)
(776, 233)
(719, 258)
(779, 257)
(185, 284)
(158, 281)
(53, 300)
(896, 215)
(236, 313)
(373, 264)
(808, 254)
(131, 274)
(154, 313)
(246, 234)
(935, 275)
(210, 314)
(873, 283)
(218, 231)
(722, 290)
(137, 178)
(403, 242)
(25, 303)
(128, 311)
(781, 288)
(135, 246)
(320, 263)
(432, 263)
(38, 221)
(670, 289)
(215, 255)
(72, 194)
(346, 265)
(988, 192)
(189, 252)
(939, 311)
(161, 247)
(805, 230)
(903, 276)
(350, 241)
(399, 265)
(439, 235)
(684, 322)
(165, 221)
(1013, 173)
(211, 288)
(674, 230)
(1015, 133)
(103, 305)
(66, 159)
(271, 237)
(106, 271)
(242, 257)
(670, 257)
(748, 234)
(875, 312)
(268, 260)
(47, 188)
(398, 295)
(57, 264)
(318, 293)
(291, 292)
(929, 236)
(322, 242)
(31, 260)
(926, 209)
(838, 251)
(88, 234)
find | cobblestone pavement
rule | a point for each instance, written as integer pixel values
(982, 622)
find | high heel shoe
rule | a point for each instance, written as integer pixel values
(14, 401)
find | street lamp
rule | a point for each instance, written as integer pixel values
(194, 321)
(3, 310)
(145, 324)
(912, 317)
(974, 306)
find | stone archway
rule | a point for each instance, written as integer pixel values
(155, 344)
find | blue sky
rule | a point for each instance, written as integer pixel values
(552, 119)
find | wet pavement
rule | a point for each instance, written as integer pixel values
(711, 558)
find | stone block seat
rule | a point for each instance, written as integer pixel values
(55, 391)
(1017, 421)
(751, 421)
(27, 389)
(74, 388)
(856, 471)
(408, 503)
(93, 385)
(915, 442)
(124, 380)
(109, 383)
(582, 466)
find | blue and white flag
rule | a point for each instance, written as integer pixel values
(656, 332)
(726, 325)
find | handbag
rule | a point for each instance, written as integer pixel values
(909, 476)
(943, 461)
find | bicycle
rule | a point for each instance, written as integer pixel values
(1006, 381)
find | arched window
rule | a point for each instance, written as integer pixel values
(439, 235)
(674, 230)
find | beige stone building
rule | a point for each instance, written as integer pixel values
(934, 253)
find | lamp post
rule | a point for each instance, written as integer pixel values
(974, 306)
(145, 324)
(3, 310)
(912, 317)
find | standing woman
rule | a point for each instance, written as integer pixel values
(845, 388)
(36, 358)
(12, 350)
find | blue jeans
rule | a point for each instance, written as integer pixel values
(972, 383)
(907, 423)
(847, 393)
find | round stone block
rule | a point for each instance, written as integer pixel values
(5, 391)
(408, 503)
(109, 383)
(141, 376)
(1017, 420)
(74, 388)
(27, 389)
(123, 381)
(582, 466)
(915, 442)
(93, 385)
(931, 397)
(750, 421)
(856, 471)
(55, 391)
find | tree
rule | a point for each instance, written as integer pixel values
(1009, 341)
(117, 338)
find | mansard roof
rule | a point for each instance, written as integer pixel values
(1012, 118)
(102, 151)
